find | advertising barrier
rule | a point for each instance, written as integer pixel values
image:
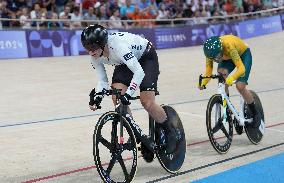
(222, 29)
(172, 38)
(282, 20)
(13, 44)
(50, 43)
(261, 26)
(45, 43)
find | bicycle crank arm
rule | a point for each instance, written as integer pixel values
(148, 143)
(140, 136)
(242, 122)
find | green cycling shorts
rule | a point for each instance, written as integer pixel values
(230, 66)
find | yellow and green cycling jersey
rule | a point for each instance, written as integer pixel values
(232, 50)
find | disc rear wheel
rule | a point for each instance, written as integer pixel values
(255, 135)
(174, 161)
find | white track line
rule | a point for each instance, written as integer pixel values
(274, 130)
(191, 114)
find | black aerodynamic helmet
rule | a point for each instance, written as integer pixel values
(94, 37)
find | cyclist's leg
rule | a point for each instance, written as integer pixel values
(247, 96)
(242, 82)
(147, 99)
(120, 80)
(241, 87)
(150, 65)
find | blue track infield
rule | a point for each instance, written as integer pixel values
(268, 170)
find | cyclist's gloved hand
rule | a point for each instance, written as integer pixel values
(230, 80)
(201, 87)
(202, 83)
(124, 99)
(95, 100)
(98, 100)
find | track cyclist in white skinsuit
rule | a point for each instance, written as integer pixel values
(136, 66)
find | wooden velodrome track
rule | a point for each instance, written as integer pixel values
(46, 126)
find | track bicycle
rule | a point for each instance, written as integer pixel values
(221, 116)
(116, 136)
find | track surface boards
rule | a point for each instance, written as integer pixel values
(46, 126)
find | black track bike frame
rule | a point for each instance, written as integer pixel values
(140, 136)
(148, 141)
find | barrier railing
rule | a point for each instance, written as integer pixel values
(22, 43)
(146, 23)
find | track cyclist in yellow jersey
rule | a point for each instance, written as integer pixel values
(231, 52)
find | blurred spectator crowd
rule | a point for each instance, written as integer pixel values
(74, 12)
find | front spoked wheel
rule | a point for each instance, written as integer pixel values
(115, 156)
(255, 134)
(220, 133)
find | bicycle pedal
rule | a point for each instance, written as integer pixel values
(147, 155)
(238, 128)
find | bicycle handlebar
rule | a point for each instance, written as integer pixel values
(214, 76)
(116, 92)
